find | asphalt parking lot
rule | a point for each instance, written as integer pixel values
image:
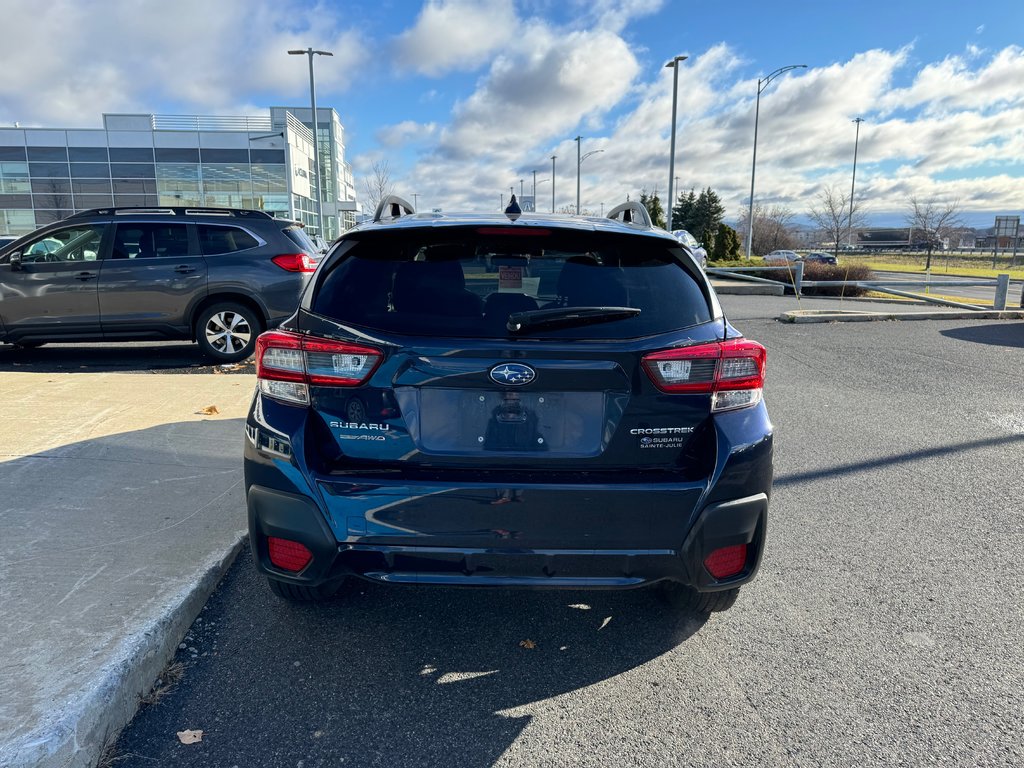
(884, 628)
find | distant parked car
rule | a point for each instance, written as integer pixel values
(819, 257)
(782, 256)
(698, 251)
(218, 276)
(6, 240)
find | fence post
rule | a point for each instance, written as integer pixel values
(1002, 286)
(799, 277)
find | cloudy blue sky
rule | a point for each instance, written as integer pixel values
(463, 99)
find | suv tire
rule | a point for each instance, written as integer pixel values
(689, 600)
(298, 594)
(227, 331)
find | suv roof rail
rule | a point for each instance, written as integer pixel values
(169, 211)
(631, 212)
(396, 207)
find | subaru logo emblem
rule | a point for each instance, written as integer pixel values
(513, 374)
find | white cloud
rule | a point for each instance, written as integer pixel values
(454, 35)
(406, 132)
(69, 63)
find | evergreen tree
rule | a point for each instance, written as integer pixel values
(653, 205)
(727, 244)
(707, 214)
(682, 213)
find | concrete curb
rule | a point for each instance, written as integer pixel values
(77, 732)
(855, 316)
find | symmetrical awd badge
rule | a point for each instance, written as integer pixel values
(512, 374)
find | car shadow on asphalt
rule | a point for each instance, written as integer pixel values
(395, 675)
(159, 357)
(995, 334)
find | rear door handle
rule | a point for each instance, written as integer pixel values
(85, 276)
(184, 269)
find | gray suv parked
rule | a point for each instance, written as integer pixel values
(216, 276)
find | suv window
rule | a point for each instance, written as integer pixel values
(219, 239)
(298, 236)
(81, 243)
(147, 241)
(467, 281)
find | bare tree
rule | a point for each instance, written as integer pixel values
(378, 185)
(932, 222)
(832, 215)
(771, 229)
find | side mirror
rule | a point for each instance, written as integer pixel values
(16, 261)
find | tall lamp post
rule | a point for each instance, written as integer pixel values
(316, 136)
(853, 182)
(674, 64)
(579, 162)
(553, 183)
(761, 85)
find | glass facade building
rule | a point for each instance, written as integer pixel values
(264, 163)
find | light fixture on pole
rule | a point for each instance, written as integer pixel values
(761, 85)
(316, 136)
(853, 182)
(520, 189)
(672, 151)
(553, 183)
(579, 162)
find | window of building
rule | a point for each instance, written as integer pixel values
(49, 170)
(48, 154)
(87, 154)
(17, 222)
(131, 155)
(90, 171)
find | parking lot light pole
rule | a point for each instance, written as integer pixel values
(579, 162)
(853, 182)
(553, 183)
(761, 85)
(672, 151)
(316, 136)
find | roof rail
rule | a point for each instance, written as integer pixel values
(631, 212)
(169, 211)
(395, 206)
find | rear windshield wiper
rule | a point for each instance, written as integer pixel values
(566, 317)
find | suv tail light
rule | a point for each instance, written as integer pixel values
(727, 561)
(731, 371)
(288, 363)
(296, 262)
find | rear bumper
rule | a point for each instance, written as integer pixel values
(506, 562)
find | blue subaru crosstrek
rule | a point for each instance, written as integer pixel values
(584, 416)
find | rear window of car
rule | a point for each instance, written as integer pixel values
(220, 239)
(301, 239)
(456, 282)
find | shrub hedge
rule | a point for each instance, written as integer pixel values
(814, 271)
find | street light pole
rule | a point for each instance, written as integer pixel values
(316, 135)
(415, 200)
(672, 152)
(853, 182)
(579, 162)
(761, 85)
(534, 190)
(553, 183)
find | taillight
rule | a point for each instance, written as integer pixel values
(727, 561)
(296, 262)
(288, 555)
(287, 363)
(731, 371)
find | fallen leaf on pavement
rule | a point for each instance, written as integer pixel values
(527, 644)
(210, 410)
(190, 737)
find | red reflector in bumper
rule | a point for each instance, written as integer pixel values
(288, 555)
(727, 561)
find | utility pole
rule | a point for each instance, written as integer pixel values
(853, 183)
(553, 183)
(578, 161)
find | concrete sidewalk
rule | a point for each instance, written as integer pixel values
(120, 504)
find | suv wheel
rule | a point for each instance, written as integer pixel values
(298, 594)
(687, 599)
(227, 332)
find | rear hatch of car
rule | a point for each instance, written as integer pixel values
(588, 359)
